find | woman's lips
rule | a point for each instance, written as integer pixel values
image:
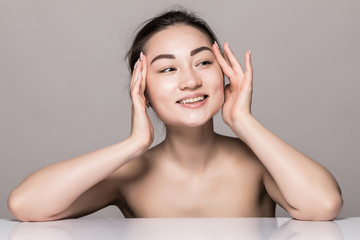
(192, 98)
(193, 102)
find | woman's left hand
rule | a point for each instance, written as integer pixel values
(238, 93)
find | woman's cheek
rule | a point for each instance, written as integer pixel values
(219, 79)
(152, 88)
(220, 87)
(160, 89)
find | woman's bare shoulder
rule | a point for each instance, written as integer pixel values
(233, 143)
(136, 167)
(237, 149)
(229, 140)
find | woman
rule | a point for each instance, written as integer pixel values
(177, 69)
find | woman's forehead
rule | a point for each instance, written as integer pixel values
(176, 38)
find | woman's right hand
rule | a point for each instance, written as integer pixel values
(142, 131)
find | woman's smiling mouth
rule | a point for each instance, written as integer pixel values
(193, 100)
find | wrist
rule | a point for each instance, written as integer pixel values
(137, 146)
(243, 126)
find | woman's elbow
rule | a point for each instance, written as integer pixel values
(331, 208)
(21, 211)
(326, 210)
(14, 205)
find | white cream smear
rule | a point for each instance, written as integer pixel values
(192, 100)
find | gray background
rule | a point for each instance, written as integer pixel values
(64, 83)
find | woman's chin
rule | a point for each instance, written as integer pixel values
(195, 119)
(194, 124)
(189, 122)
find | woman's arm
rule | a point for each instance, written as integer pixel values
(299, 184)
(302, 186)
(49, 192)
(82, 185)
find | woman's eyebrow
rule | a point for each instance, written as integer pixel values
(172, 56)
(197, 50)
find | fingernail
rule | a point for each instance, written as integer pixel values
(216, 44)
(141, 56)
(249, 52)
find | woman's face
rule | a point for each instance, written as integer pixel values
(184, 81)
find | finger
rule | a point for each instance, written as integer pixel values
(136, 81)
(248, 66)
(227, 59)
(138, 78)
(144, 64)
(137, 96)
(225, 67)
(232, 59)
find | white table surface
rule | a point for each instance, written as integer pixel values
(181, 228)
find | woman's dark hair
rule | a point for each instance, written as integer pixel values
(160, 22)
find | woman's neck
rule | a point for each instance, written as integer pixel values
(191, 148)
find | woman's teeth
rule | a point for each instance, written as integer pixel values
(192, 100)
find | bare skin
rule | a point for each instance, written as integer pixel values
(194, 172)
(231, 185)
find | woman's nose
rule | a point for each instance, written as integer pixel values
(189, 80)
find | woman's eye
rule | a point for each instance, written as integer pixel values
(166, 70)
(204, 63)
